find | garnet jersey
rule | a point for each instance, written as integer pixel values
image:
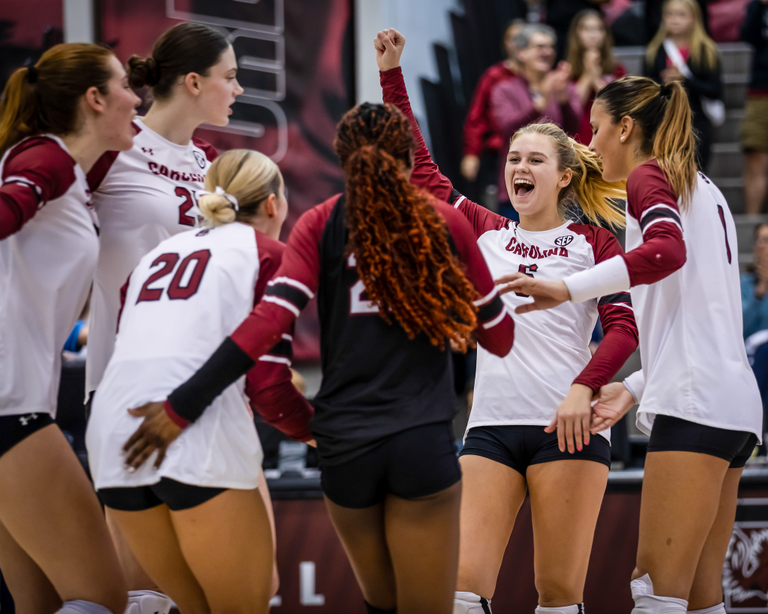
(143, 196)
(48, 251)
(182, 300)
(686, 292)
(551, 349)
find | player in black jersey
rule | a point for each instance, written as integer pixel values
(397, 274)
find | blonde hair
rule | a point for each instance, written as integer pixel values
(704, 53)
(587, 188)
(663, 114)
(249, 176)
(576, 48)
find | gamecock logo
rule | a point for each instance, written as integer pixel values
(200, 159)
(745, 572)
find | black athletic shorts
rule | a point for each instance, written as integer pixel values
(414, 463)
(520, 446)
(14, 429)
(176, 495)
(671, 434)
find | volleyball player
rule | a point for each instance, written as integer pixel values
(391, 294)
(57, 117)
(699, 400)
(549, 372)
(197, 523)
(149, 193)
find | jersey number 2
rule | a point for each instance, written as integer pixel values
(189, 202)
(357, 304)
(175, 290)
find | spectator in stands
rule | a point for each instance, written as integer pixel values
(590, 54)
(653, 15)
(480, 135)
(682, 51)
(754, 286)
(754, 129)
(538, 92)
(560, 13)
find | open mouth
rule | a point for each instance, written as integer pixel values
(523, 187)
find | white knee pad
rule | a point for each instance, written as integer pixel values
(148, 602)
(577, 608)
(648, 603)
(715, 609)
(468, 603)
(82, 607)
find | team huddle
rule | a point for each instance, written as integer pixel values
(193, 301)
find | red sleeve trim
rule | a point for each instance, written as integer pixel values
(270, 258)
(176, 418)
(99, 170)
(209, 150)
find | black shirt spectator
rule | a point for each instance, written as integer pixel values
(560, 13)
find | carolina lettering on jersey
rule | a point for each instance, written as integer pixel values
(173, 175)
(551, 347)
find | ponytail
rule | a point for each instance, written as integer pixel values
(587, 190)
(400, 242)
(236, 185)
(663, 114)
(49, 101)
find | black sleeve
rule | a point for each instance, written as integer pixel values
(706, 83)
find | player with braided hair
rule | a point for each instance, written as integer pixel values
(396, 273)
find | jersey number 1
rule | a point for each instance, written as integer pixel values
(725, 231)
(175, 290)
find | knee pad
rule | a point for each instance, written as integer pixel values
(715, 609)
(577, 608)
(148, 602)
(465, 602)
(371, 610)
(82, 607)
(648, 603)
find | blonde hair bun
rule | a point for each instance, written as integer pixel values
(216, 209)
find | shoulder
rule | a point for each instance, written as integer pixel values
(100, 170)
(313, 222)
(647, 175)
(602, 240)
(269, 247)
(208, 149)
(41, 158)
(457, 224)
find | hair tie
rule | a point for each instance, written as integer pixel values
(31, 74)
(220, 192)
(665, 91)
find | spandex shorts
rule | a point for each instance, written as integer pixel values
(414, 463)
(15, 429)
(520, 446)
(176, 495)
(670, 434)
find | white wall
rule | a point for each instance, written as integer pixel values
(422, 22)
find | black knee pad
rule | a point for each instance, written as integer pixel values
(371, 610)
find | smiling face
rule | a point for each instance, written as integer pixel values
(591, 32)
(532, 175)
(539, 56)
(120, 103)
(219, 89)
(678, 18)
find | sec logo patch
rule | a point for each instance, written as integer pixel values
(563, 241)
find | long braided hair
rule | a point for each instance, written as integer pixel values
(399, 240)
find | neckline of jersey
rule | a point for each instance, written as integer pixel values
(162, 139)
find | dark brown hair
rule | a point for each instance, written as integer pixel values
(61, 76)
(575, 54)
(183, 49)
(663, 114)
(399, 240)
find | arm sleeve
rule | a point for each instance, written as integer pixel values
(618, 322)
(477, 124)
(35, 172)
(495, 327)
(635, 383)
(707, 84)
(426, 173)
(284, 298)
(752, 27)
(651, 201)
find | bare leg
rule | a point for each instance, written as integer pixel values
(565, 502)
(491, 497)
(680, 501)
(152, 538)
(135, 576)
(755, 181)
(707, 588)
(51, 511)
(423, 539)
(362, 534)
(264, 492)
(228, 545)
(32, 591)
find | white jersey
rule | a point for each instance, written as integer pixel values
(551, 349)
(184, 298)
(143, 196)
(690, 322)
(46, 268)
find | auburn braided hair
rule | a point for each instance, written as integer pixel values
(399, 240)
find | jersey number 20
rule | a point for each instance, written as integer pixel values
(175, 290)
